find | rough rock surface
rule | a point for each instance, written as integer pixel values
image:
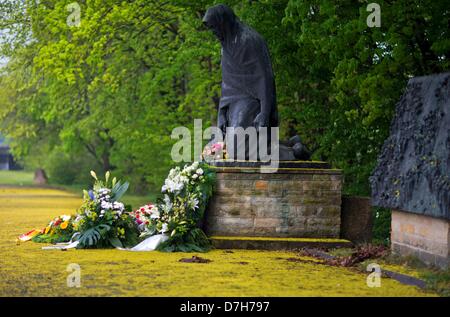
(413, 170)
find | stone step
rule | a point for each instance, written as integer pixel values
(268, 243)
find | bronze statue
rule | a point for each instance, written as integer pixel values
(248, 86)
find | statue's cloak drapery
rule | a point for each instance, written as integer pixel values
(246, 66)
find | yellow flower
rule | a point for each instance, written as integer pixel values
(47, 229)
(64, 225)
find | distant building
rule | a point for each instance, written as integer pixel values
(6, 158)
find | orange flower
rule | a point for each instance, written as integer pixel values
(64, 225)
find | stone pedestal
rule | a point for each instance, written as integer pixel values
(299, 199)
(425, 237)
(412, 173)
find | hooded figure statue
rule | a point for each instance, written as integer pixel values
(248, 85)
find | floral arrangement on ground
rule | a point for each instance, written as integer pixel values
(103, 221)
(180, 211)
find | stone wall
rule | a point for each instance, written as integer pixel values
(356, 219)
(289, 203)
(425, 237)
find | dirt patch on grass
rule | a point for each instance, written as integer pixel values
(195, 259)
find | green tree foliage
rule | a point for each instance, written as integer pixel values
(361, 72)
(113, 88)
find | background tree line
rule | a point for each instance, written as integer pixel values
(107, 94)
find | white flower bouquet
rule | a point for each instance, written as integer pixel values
(179, 213)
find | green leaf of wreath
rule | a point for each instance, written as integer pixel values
(92, 236)
(115, 242)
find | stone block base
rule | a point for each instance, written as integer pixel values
(425, 237)
(259, 243)
(292, 202)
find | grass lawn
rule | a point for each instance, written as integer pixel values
(25, 178)
(27, 270)
(19, 178)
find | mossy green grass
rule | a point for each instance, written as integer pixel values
(27, 270)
